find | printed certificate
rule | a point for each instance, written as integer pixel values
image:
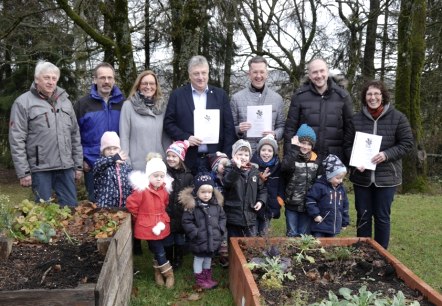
(206, 125)
(261, 119)
(365, 146)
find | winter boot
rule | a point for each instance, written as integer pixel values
(177, 257)
(209, 280)
(158, 276)
(200, 279)
(167, 272)
(169, 253)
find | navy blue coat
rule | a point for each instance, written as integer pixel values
(329, 203)
(178, 120)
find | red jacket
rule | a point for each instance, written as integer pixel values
(148, 207)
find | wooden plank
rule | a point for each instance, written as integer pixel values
(123, 235)
(107, 280)
(5, 247)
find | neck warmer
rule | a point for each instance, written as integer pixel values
(375, 113)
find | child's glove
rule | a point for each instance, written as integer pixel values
(280, 201)
(158, 228)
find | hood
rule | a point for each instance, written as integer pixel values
(188, 201)
(140, 182)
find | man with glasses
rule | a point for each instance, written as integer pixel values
(179, 117)
(98, 112)
(323, 105)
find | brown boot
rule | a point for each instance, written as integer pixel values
(158, 276)
(167, 272)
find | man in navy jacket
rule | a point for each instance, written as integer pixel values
(179, 117)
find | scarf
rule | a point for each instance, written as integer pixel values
(375, 113)
(144, 106)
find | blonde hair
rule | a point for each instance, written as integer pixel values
(151, 155)
(158, 95)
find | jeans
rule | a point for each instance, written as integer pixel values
(297, 223)
(61, 181)
(374, 204)
(263, 225)
(241, 231)
(175, 239)
(157, 248)
(89, 184)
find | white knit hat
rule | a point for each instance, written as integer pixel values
(156, 164)
(109, 139)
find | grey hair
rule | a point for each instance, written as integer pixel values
(258, 59)
(197, 60)
(320, 59)
(44, 66)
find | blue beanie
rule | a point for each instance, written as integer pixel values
(306, 133)
(333, 166)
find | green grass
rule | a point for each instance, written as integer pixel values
(416, 240)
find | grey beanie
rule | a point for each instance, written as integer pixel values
(239, 144)
(269, 140)
(333, 166)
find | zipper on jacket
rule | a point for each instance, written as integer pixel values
(37, 160)
(47, 120)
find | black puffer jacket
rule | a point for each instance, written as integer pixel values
(204, 226)
(299, 176)
(241, 192)
(328, 114)
(182, 178)
(397, 141)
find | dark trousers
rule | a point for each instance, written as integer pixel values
(241, 231)
(374, 204)
(157, 248)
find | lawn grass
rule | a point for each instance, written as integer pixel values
(416, 240)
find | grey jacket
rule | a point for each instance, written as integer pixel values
(250, 97)
(44, 136)
(141, 132)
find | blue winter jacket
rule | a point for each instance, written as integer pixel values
(95, 117)
(331, 204)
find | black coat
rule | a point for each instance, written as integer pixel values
(182, 178)
(241, 192)
(397, 141)
(204, 226)
(328, 114)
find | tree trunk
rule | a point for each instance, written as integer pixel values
(368, 71)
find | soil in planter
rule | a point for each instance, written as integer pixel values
(50, 266)
(313, 281)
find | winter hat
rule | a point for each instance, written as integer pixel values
(179, 148)
(155, 164)
(239, 144)
(333, 166)
(306, 133)
(109, 139)
(215, 158)
(268, 140)
(202, 178)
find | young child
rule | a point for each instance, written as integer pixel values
(218, 162)
(300, 170)
(147, 204)
(111, 173)
(204, 222)
(266, 157)
(181, 178)
(327, 201)
(244, 192)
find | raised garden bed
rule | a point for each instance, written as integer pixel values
(107, 279)
(244, 283)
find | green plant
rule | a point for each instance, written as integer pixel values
(340, 253)
(44, 233)
(307, 243)
(274, 271)
(7, 216)
(364, 298)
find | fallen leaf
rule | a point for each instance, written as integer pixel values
(194, 297)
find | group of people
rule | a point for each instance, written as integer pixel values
(197, 194)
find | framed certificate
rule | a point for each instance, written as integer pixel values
(365, 146)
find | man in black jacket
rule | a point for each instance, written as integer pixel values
(323, 105)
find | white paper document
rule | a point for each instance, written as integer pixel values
(261, 119)
(365, 146)
(206, 125)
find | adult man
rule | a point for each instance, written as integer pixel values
(44, 138)
(178, 120)
(98, 112)
(257, 93)
(324, 106)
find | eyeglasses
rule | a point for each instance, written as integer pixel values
(376, 94)
(152, 84)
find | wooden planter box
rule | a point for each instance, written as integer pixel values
(113, 287)
(246, 293)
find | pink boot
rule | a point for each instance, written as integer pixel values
(208, 274)
(201, 281)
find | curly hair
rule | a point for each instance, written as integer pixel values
(376, 84)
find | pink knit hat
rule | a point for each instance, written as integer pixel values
(109, 139)
(179, 148)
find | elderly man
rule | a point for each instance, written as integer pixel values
(179, 117)
(257, 93)
(323, 105)
(44, 138)
(98, 112)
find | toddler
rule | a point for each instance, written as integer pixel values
(111, 173)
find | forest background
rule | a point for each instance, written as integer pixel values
(399, 42)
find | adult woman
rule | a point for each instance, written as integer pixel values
(141, 121)
(375, 189)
